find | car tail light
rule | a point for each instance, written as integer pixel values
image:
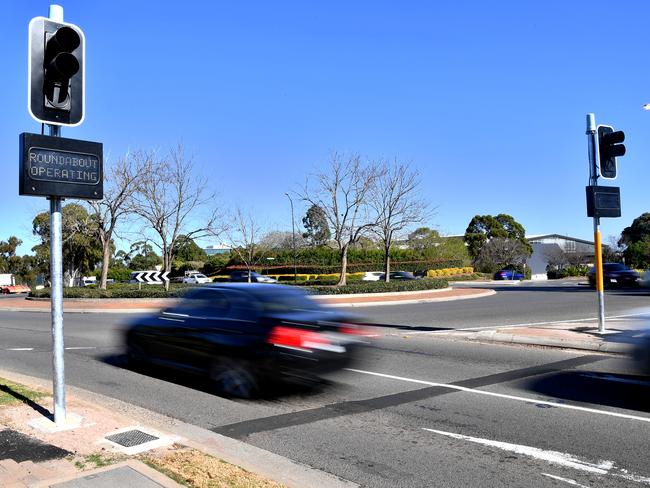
(292, 337)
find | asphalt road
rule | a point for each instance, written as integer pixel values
(529, 303)
(415, 410)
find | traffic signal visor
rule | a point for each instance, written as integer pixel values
(56, 72)
(609, 148)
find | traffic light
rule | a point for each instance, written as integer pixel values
(56, 72)
(609, 148)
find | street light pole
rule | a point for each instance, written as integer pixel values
(293, 240)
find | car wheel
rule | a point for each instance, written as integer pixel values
(232, 377)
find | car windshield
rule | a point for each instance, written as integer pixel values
(614, 267)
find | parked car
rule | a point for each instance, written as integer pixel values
(372, 275)
(398, 275)
(508, 274)
(240, 334)
(196, 279)
(242, 277)
(614, 274)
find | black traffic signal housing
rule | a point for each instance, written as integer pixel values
(56, 72)
(609, 148)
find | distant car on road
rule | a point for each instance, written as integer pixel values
(196, 279)
(372, 275)
(242, 277)
(398, 275)
(508, 274)
(239, 335)
(614, 274)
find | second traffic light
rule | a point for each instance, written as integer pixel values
(609, 148)
(56, 72)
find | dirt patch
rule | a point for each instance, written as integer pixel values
(195, 469)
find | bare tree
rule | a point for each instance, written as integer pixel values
(169, 197)
(121, 183)
(279, 239)
(342, 192)
(396, 204)
(244, 236)
(500, 252)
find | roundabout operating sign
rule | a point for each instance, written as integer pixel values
(60, 167)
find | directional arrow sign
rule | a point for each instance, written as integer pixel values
(152, 277)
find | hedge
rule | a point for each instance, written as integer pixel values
(381, 286)
(117, 291)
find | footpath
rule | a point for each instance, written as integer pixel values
(108, 443)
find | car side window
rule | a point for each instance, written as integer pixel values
(202, 303)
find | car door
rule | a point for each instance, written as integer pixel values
(199, 322)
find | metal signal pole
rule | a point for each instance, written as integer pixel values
(56, 278)
(593, 180)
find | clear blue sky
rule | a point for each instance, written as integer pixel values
(487, 99)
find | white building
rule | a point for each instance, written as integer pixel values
(546, 245)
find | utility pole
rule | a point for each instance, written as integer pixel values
(293, 241)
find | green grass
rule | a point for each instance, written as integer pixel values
(13, 393)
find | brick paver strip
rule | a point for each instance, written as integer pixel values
(73, 304)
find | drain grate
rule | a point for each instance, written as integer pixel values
(131, 438)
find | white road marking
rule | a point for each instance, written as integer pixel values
(502, 395)
(20, 349)
(566, 480)
(78, 348)
(530, 324)
(554, 457)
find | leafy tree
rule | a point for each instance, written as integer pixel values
(9, 261)
(81, 249)
(142, 257)
(315, 222)
(636, 239)
(482, 228)
(638, 231)
(188, 250)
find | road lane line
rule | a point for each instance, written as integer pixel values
(502, 395)
(554, 457)
(530, 324)
(79, 348)
(566, 480)
(20, 349)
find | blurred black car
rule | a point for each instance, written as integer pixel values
(614, 274)
(397, 275)
(240, 334)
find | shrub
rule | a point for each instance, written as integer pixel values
(381, 286)
(118, 290)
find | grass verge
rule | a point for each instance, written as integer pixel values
(195, 469)
(13, 394)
